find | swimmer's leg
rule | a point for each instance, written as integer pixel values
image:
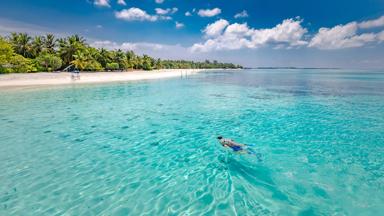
(252, 152)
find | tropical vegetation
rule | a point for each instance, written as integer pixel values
(20, 53)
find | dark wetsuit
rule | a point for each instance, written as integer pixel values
(236, 148)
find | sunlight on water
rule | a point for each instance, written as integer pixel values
(150, 147)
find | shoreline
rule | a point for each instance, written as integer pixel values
(64, 78)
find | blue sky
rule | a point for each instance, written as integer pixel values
(302, 33)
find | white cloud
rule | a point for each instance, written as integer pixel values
(127, 45)
(99, 26)
(188, 13)
(159, 1)
(242, 14)
(340, 37)
(156, 50)
(380, 36)
(179, 25)
(209, 12)
(165, 51)
(288, 34)
(348, 35)
(121, 2)
(161, 11)
(136, 14)
(372, 23)
(102, 3)
(216, 28)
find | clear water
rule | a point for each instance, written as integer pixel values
(149, 148)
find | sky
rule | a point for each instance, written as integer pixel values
(253, 33)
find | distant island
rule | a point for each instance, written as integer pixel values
(21, 53)
(312, 68)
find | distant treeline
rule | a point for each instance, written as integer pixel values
(20, 53)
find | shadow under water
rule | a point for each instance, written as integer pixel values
(254, 173)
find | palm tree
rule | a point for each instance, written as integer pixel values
(49, 43)
(83, 60)
(37, 46)
(158, 64)
(147, 62)
(120, 58)
(80, 60)
(104, 58)
(131, 59)
(69, 46)
(21, 44)
(77, 38)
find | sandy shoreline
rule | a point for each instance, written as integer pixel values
(64, 78)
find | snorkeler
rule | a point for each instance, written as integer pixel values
(236, 147)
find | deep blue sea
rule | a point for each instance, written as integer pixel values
(150, 148)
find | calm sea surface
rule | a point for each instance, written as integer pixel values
(149, 148)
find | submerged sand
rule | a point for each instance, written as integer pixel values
(62, 78)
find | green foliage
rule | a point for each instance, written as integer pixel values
(93, 65)
(182, 64)
(112, 66)
(37, 46)
(48, 62)
(158, 65)
(83, 60)
(6, 53)
(10, 62)
(49, 43)
(147, 63)
(22, 53)
(21, 64)
(21, 44)
(69, 47)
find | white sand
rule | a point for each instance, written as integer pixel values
(43, 79)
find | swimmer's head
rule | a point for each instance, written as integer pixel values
(219, 137)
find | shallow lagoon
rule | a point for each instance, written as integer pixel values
(149, 147)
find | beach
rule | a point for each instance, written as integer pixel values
(65, 78)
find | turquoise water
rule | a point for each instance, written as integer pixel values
(149, 148)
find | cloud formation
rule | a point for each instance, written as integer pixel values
(209, 12)
(347, 36)
(121, 2)
(136, 14)
(166, 11)
(159, 1)
(340, 37)
(179, 25)
(216, 28)
(225, 36)
(242, 14)
(157, 50)
(221, 35)
(372, 23)
(380, 36)
(110, 45)
(102, 3)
